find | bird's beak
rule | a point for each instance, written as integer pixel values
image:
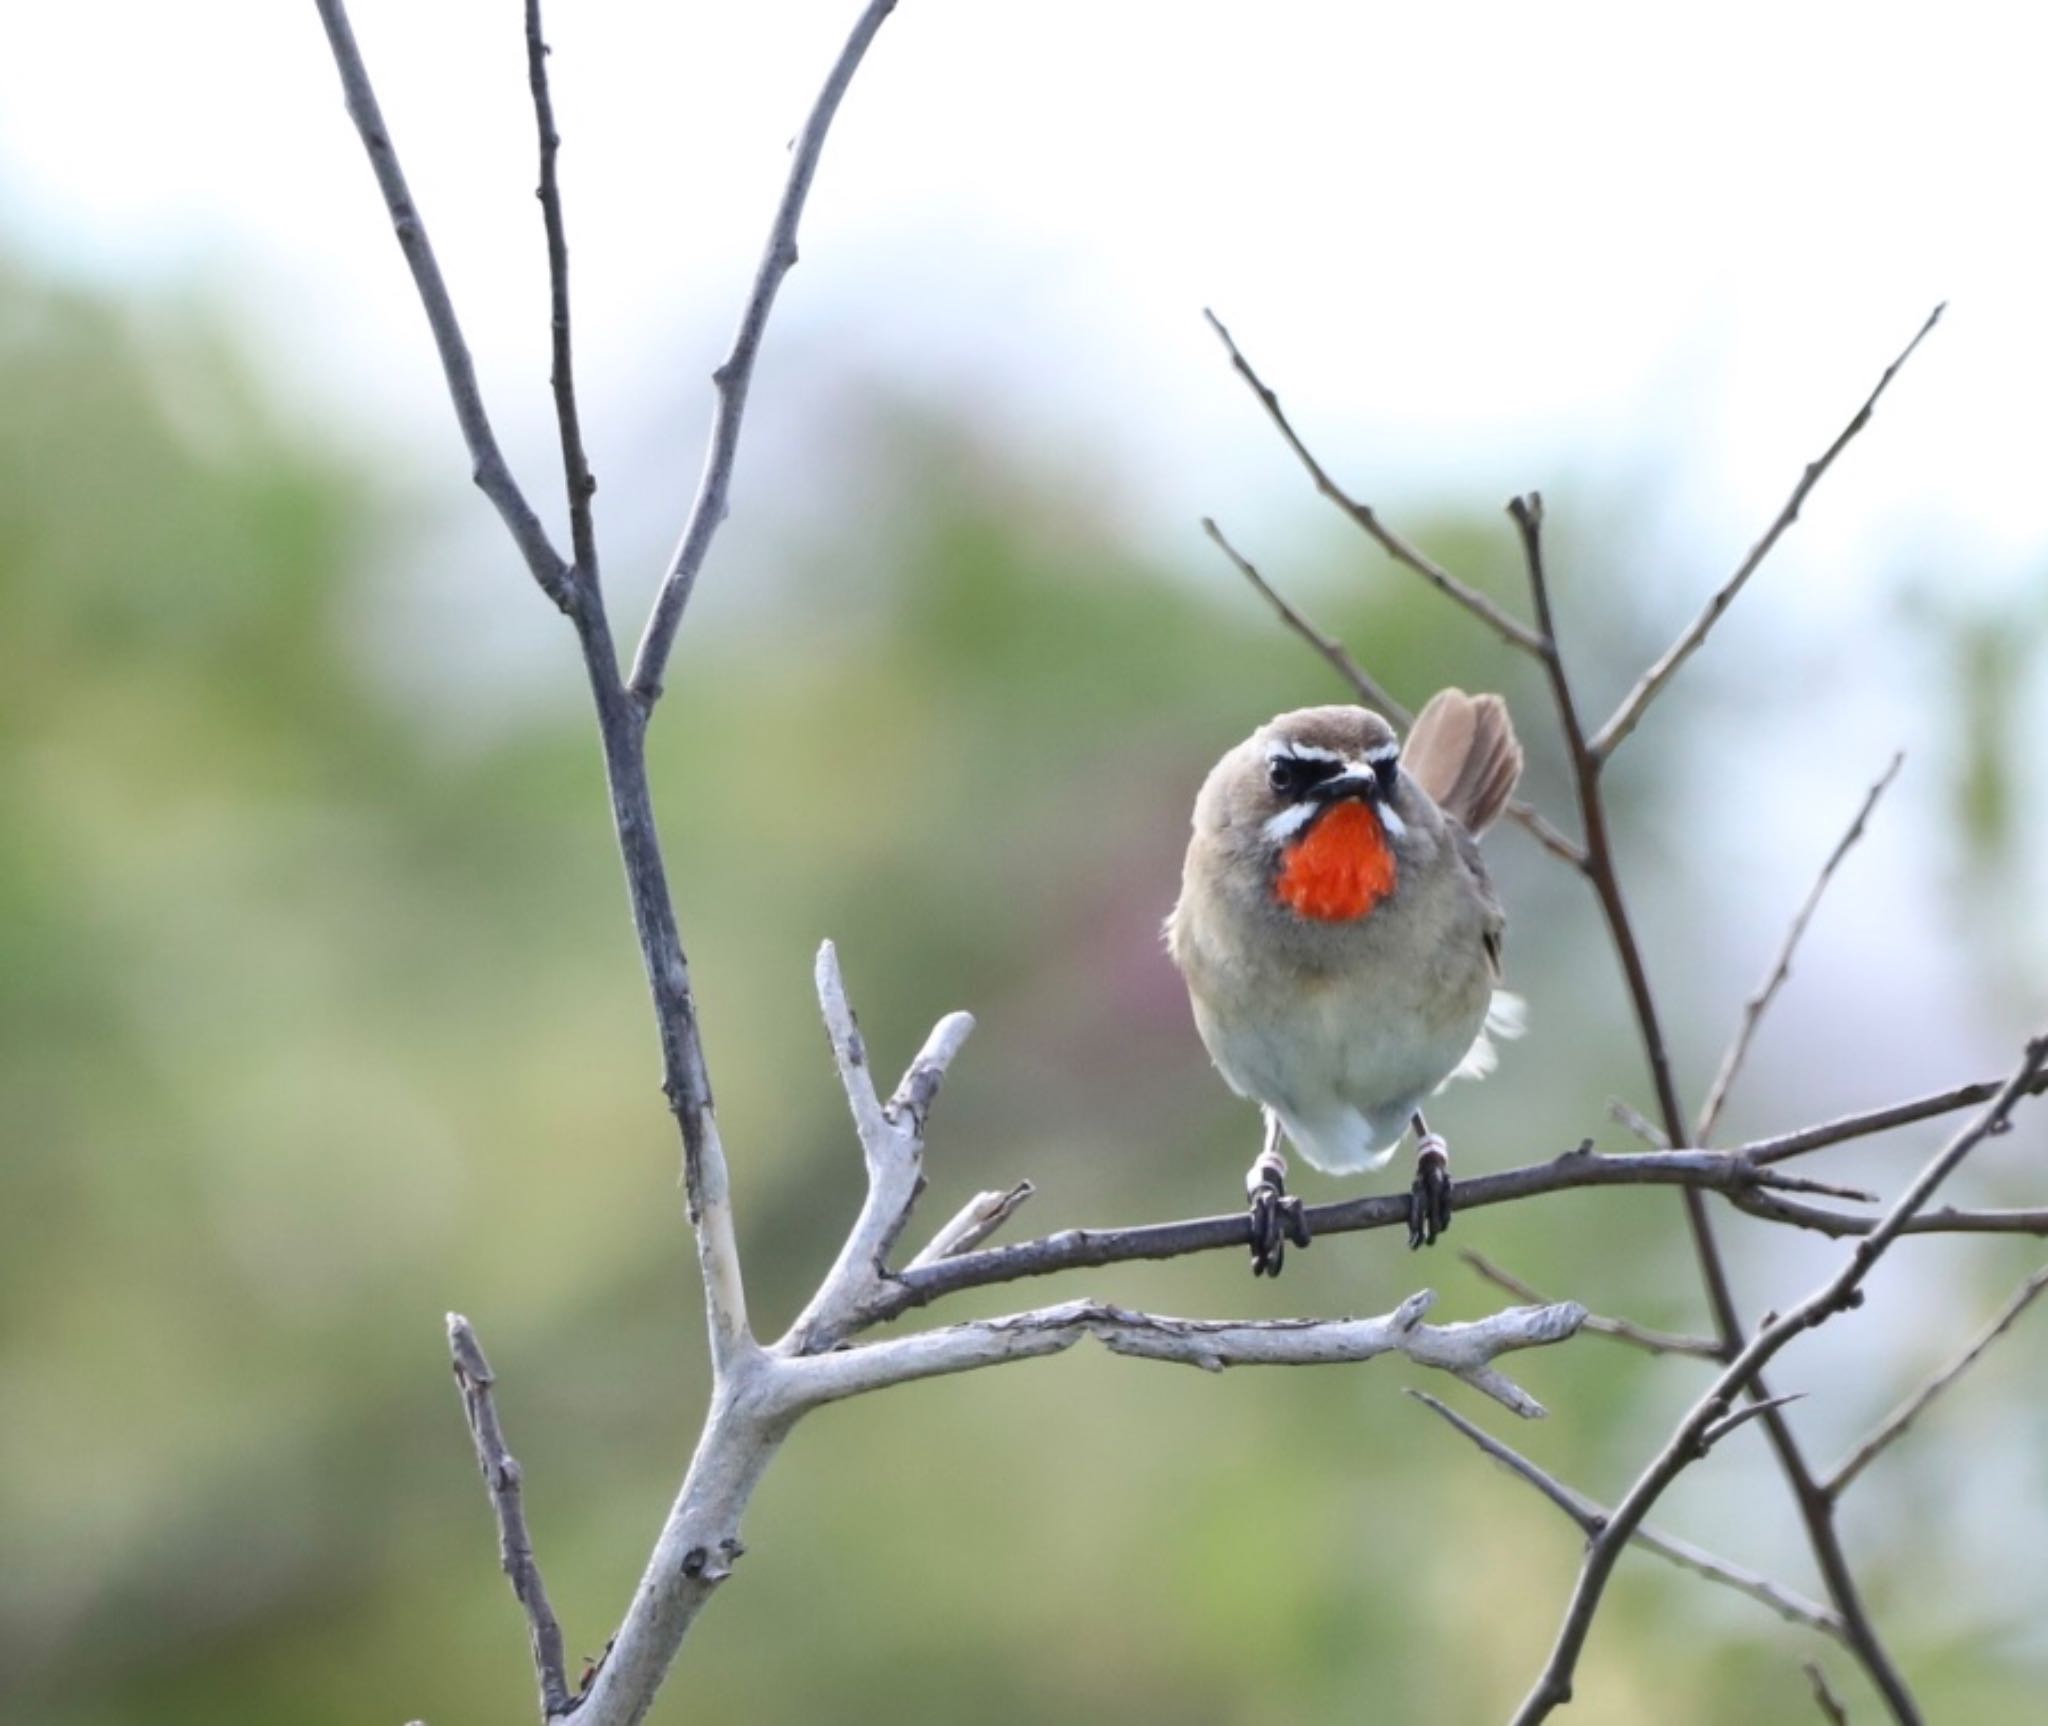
(1349, 783)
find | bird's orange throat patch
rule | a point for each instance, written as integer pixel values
(1340, 869)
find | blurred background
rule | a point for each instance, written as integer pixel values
(320, 1012)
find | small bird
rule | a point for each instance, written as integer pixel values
(1341, 940)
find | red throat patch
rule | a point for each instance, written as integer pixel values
(1341, 870)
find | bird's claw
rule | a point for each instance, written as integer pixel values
(1429, 1199)
(1276, 1219)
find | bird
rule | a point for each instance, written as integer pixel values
(1341, 939)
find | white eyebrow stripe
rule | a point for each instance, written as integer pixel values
(1290, 820)
(1302, 752)
(1385, 752)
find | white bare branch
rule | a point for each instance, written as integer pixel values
(975, 1221)
(892, 1147)
(1466, 1351)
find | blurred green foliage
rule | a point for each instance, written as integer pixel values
(317, 1020)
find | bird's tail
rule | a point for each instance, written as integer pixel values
(1462, 750)
(1507, 1017)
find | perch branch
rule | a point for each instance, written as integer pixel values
(1687, 1444)
(1509, 629)
(1895, 1424)
(735, 373)
(488, 466)
(1754, 1008)
(474, 1379)
(1727, 1172)
(1621, 1329)
(1636, 702)
(1793, 1607)
(1373, 695)
(577, 479)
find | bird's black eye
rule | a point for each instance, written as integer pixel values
(1286, 775)
(1388, 773)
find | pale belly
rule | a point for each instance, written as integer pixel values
(1344, 1061)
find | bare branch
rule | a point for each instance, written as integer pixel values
(1080, 1249)
(1837, 1294)
(1815, 1508)
(1894, 1425)
(699, 1543)
(1372, 695)
(1620, 1329)
(736, 373)
(1947, 1220)
(1795, 1608)
(474, 1379)
(1510, 629)
(1637, 701)
(577, 479)
(1754, 1008)
(1824, 1698)
(976, 1220)
(892, 1147)
(1874, 1121)
(1467, 1351)
(493, 477)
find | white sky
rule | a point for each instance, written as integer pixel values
(1476, 248)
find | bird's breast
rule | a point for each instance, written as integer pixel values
(1340, 868)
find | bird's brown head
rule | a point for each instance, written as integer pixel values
(1316, 792)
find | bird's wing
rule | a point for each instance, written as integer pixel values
(1462, 750)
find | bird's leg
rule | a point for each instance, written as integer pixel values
(1429, 1200)
(1275, 1216)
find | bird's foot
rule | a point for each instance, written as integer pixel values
(1276, 1216)
(1429, 1200)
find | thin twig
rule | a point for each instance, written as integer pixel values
(1894, 1425)
(1948, 1220)
(1795, 1608)
(1509, 629)
(577, 479)
(1639, 1124)
(1742, 1417)
(1362, 683)
(1815, 1508)
(1873, 1121)
(1754, 1008)
(1638, 699)
(1836, 1295)
(1372, 694)
(474, 1379)
(736, 372)
(1620, 1329)
(1824, 1697)
(493, 477)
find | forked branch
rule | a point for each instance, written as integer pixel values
(1633, 706)
(735, 374)
(1688, 1443)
